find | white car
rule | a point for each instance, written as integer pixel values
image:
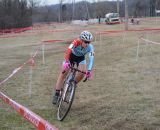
(112, 18)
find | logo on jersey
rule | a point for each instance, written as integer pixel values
(79, 51)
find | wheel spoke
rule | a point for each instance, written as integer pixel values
(66, 102)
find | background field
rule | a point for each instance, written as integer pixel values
(123, 94)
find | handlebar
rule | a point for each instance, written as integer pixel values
(75, 69)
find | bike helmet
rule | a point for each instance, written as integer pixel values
(86, 36)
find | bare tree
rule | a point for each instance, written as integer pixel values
(158, 4)
(118, 6)
(60, 10)
(126, 14)
(14, 13)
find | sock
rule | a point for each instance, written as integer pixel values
(57, 92)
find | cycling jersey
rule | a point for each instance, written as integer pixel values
(77, 49)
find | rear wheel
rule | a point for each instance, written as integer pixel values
(66, 100)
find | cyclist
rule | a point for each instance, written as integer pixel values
(76, 54)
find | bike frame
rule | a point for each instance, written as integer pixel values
(67, 91)
(71, 78)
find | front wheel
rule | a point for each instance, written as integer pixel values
(67, 96)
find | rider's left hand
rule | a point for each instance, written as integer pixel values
(88, 74)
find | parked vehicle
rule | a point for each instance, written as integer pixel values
(112, 18)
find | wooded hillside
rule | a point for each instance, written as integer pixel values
(22, 13)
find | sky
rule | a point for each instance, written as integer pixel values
(49, 2)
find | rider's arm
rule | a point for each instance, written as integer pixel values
(69, 50)
(91, 58)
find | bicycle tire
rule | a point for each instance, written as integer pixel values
(64, 106)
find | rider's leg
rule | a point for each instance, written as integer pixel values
(59, 85)
(79, 75)
(61, 77)
(60, 80)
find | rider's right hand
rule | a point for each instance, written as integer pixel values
(66, 65)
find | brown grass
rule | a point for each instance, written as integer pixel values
(123, 94)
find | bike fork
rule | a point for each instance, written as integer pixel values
(72, 91)
(70, 98)
(65, 90)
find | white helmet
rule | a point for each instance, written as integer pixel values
(86, 36)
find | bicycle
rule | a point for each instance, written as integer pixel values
(67, 93)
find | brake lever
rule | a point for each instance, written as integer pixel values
(85, 79)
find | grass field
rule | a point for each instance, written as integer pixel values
(123, 94)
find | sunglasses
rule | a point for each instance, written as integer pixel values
(86, 42)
